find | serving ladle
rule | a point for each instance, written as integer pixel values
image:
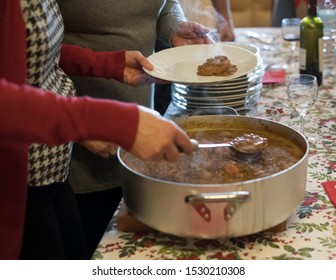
(247, 147)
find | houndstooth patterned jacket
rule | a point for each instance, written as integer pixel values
(44, 28)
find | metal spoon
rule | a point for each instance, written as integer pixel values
(247, 147)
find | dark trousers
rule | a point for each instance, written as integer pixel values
(53, 228)
(162, 97)
(96, 210)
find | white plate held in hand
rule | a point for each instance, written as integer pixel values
(180, 64)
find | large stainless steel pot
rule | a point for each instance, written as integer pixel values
(223, 210)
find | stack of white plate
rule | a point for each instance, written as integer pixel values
(237, 93)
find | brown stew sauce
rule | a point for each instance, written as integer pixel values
(219, 165)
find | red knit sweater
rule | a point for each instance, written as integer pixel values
(25, 117)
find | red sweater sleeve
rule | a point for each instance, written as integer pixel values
(30, 115)
(78, 61)
(12, 42)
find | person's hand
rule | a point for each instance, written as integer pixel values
(101, 148)
(188, 33)
(225, 31)
(158, 138)
(134, 74)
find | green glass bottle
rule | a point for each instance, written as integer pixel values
(311, 43)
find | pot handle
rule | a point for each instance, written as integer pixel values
(214, 110)
(233, 199)
(238, 196)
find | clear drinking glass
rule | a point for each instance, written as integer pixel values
(290, 28)
(302, 91)
(326, 10)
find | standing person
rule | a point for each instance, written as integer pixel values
(225, 24)
(20, 125)
(288, 9)
(111, 25)
(215, 14)
(31, 34)
(282, 9)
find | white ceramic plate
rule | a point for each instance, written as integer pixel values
(179, 64)
(227, 96)
(216, 92)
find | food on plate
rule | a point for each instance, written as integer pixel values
(219, 65)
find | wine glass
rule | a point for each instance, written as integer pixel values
(290, 28)
(302, 91)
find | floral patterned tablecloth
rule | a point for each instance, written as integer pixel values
(310, 232)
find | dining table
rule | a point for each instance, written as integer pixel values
(310, 232)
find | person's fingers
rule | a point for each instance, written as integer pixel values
(159, 138)
(191, 29)
(105, 150)
(143, 61)
(182, 142)
(199, 30)
(171, 154)
(184, 145)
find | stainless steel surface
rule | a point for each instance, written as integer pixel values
(234, 199)
(162, 204)
(197, 145)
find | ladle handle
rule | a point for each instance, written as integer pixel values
(194, 144)
(197, 146)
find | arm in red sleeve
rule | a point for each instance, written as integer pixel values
(30, 115)
(12, 42)
(78, 61)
